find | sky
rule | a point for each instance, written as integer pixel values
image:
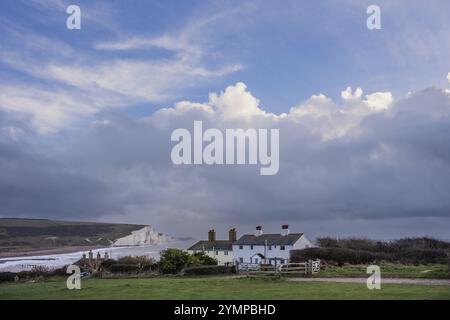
(364, 115)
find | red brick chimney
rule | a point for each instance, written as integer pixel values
(232, 235)
(211, 235)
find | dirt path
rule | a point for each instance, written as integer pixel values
(441, 282)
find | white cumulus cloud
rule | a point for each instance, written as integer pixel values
(348, 94)
(379, 100)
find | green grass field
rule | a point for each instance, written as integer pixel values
(214, 288)
(390, 270)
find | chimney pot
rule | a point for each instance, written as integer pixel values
(232, 235)
(211, 235)
(258, 231)
(285, 229)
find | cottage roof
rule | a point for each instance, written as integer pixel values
(269, 239)
(220, 245)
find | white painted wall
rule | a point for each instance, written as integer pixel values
(302, 243)
(223, 257)
(248, 254)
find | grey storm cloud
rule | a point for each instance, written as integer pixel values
(35, 180)
(367, 158)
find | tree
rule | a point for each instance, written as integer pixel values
(173, 260)
(202, 259)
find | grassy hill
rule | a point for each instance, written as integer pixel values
(29, 235)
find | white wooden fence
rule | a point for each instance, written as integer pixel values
(248, 267)
(308, 267)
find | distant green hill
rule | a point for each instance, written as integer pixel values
(26, 235)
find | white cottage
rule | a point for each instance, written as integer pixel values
(221, 250)
(268, 248)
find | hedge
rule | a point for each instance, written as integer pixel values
(208, 270)
(32, 274)
(124, 268)
(352, 256)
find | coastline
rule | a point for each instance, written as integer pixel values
(59, 257)
(43, 252)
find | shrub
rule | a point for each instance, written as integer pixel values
(7, 276)
(138, 260)
(38, 272)
(124, 268)
(202, 259)
(208, 270)
(59, 272)
(173, 260)
(107, 264)
(335, 255)
(363, 251)
(384, 246)
(129, 264)
(143, 262)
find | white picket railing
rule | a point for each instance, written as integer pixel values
(308, 267)
(315, 266)
(249, 267)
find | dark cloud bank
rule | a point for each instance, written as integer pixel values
(344, 170)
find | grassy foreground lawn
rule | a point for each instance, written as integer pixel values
(214, 288)
(390, 270)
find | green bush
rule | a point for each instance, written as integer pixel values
(143, 262)
(202, 259)
(208, 270)
(384, 246)
(124, 268)
(107, 264)
(7, 276)
(335, 255)
(32, 274)
(129, 264)
(362, 250)
(138, 260)
(173, 260)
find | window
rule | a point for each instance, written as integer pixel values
(241, 260)
(225, 253)
(256, 260)
(241, 247)
(217, 253)
(270, 247)
(251, 247)
(282, 248)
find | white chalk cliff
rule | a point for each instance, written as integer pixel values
(145, 236)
